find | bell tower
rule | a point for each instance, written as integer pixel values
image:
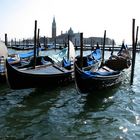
(53, 28)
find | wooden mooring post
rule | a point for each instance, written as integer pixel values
(15, 42)
(55, 43)
(45, 40)
(38, 42)
(92, 45)
(112, 47)
(134, 44)
(6, 40)
(35, 43)
(81, 50)
(103, 50)
(68, 47)
(75, 44)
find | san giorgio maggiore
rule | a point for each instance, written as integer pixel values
(74, 37)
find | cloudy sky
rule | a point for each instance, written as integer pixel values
(91, 17)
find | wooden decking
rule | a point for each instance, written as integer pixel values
(45, 69)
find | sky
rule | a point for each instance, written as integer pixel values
(92, 17)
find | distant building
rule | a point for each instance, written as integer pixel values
(63, 38)
(74, 37)
(99, 40)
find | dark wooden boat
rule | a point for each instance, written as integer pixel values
(120, 61)
(107, 75)
(48, 75)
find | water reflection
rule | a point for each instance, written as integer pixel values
(99, 100)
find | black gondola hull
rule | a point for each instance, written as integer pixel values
(18, 79)
(91, 84)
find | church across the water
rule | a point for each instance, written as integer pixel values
(74, 37)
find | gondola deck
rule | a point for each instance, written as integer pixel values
(52, 69)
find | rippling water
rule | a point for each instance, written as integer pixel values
(63, 113)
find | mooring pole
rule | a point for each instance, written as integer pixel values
(6, 41)
(137, 36)
(112, 47)
(55, 43)
(15, 42)
(134, 44)
(68, 47)
(19, 42)
(35, 35)
(91, 44)
(103, 47)
(44, 41)
(38, 43)
(81, 50)
(75, 44)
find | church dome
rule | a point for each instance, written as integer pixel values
(70, 31)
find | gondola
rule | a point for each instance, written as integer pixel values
(49, 75)
(106, 75)
(120, 61)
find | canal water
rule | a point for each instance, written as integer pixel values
(64, 113)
